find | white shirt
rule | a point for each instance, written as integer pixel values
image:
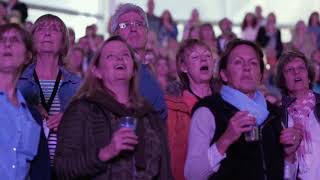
(250, 33)
(202, 159)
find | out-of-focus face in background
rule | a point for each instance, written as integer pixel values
(76, 58)
(207, 33)
(71, 36)
(195, 15)
(301, 27)
(315, 21)
(162, 67)
(271, 19)
(84, 44)
(150, 5)
(194, 32)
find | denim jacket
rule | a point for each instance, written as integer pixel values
(31, 91)
(150, 89)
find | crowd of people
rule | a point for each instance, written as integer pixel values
(142, 105)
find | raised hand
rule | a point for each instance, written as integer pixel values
(241, 122)
(123, 139)
(291, 139)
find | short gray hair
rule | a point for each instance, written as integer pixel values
(125, 8)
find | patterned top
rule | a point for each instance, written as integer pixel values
(47, 88)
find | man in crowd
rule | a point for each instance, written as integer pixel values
(130, 22)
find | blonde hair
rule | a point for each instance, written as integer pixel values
(186, 47)
(92, 84)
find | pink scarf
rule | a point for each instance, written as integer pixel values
(300, 111)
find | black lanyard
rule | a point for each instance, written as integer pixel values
(47, 105)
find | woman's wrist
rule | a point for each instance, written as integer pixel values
(104, 154)
(223, 144)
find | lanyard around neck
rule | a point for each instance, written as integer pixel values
(47, 105)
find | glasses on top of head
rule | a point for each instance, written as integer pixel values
(124, 25)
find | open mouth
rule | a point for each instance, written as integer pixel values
(204, 68)
(120, 67)
(297, 79)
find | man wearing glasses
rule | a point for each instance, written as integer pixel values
(130, 22)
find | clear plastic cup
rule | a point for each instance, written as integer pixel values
(128, 122)
(252, 135)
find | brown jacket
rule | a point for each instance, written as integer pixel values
(88, 125)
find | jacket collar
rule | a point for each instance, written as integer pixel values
(108, 102)
(20, 98)
(67, 76)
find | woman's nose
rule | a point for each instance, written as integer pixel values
(246, 66)
(119, 58)
(7, 43)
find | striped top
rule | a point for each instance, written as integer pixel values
(47, 88)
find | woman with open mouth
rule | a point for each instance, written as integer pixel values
(195, 65)
(295, 75)
(109, 131)
(23, 148)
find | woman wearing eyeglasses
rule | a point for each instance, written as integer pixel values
(46, 82)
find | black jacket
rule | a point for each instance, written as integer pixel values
(263, 40)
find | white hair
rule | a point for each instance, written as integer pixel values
(125, 8)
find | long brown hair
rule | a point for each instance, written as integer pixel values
(92, 84)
